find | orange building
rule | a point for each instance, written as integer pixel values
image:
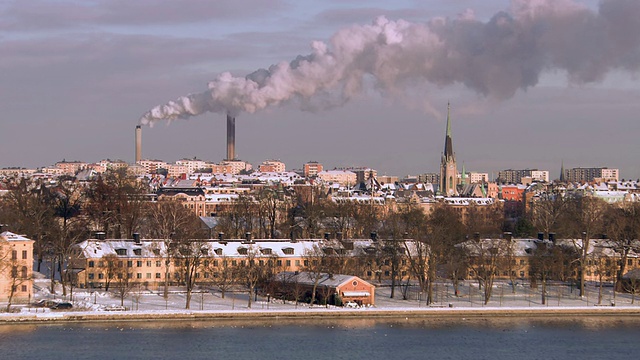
(16, 262)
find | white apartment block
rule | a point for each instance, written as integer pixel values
(272, 166)
(192, 165)
(478, 178)
(234, 166)
(152, 166)
(342, 177)
(174, 170)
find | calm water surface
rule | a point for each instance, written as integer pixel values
(522, 339)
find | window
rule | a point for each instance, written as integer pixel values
(24, 288)
(139, 276)
(521, 262)
(139, 263)
(91, 276)
(148, 275)
(137, 252)
(23, 272)
(121, 251)
(91, 264)
(288, 251)
(120, 263)
(148, 263)
(129, 276)
(242, 251)
(266, 251)
(14, 255)
(158, 263)
(24, 254)
(101, 276)
(297, 262)
(287, 262)
(215, 262)
(234, 263)
(129, 263)
(157, 275)
(218, 251)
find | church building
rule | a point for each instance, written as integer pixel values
(448, 168)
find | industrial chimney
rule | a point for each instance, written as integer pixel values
(138, 143)
(231, 137)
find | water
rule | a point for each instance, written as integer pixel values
(522, 339)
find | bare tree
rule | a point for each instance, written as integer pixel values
(250, 270)
(224, 275)
(485, 256)
(175, 225)
(124, 282)
(622, 225)
(315, 265)
(583, 219)
(108, 265)
(444, 233)
(116, 203)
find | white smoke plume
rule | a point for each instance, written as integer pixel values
(494, 58)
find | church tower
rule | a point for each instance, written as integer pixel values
(448, 168)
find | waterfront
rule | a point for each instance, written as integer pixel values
(364, 338)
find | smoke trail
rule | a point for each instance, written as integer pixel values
(494, 58)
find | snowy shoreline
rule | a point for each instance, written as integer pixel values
(324, 313)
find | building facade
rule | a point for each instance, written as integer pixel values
(16, 268)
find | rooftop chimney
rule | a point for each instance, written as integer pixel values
(540, 236)
(327, 236)
(138, 143)
(136, 238)
(231, 137)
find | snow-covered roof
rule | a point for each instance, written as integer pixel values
(9, 236)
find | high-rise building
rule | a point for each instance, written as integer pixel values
(448, 168)
(312, 168)
(510, 176)
(590, 174)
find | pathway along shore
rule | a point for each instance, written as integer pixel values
(323, 313)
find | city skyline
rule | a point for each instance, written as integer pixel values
(78, 81)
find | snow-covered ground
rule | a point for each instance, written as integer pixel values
(211, 299)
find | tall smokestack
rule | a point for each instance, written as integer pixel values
(138, 143)
(231, 137)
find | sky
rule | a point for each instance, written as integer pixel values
(532, 84)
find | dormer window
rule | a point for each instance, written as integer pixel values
(137, 252)
(266, 251)
(242, 251)
(218, 251)
(121, 252)
(288, 251)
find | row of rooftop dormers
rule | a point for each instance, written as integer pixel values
(283, 248)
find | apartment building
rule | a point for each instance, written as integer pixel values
(590, 174)
(342, 177)
(272, 166)
(312, 168)
(511, 176)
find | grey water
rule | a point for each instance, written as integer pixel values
(399, 338)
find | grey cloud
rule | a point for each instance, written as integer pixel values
(46, 15)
